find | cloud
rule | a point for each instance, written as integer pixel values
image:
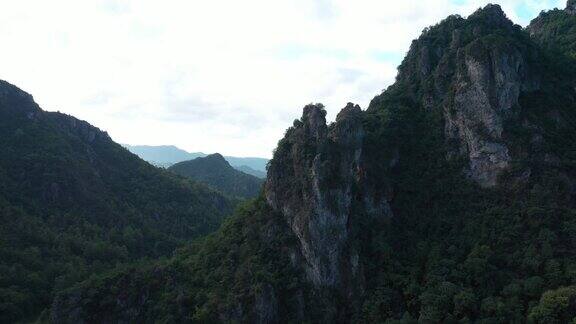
(227, 76)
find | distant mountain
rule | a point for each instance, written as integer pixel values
(73, 203)
(215, 171)
(167, 155)
(249, 170)
(258, 164)
(164, 155)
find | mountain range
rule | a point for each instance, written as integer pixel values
(167, 155)
(450, 199)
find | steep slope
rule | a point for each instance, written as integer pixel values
(452, 198)
(214, 171)
(556, 29)
(74, 203)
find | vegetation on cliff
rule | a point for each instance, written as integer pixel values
(556, 30)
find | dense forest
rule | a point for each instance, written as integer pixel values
(73, 204)
(214, 171)
(450, 199)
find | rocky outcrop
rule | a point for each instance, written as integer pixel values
(571, 7)
(487, 88)
(313, 181)
(457, 67)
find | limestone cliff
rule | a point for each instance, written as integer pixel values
(313, 181)
(473, 70)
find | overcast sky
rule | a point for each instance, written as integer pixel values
(213, 75)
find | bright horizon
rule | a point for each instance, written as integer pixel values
(175, 73)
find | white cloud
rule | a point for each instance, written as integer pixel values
(226, 76)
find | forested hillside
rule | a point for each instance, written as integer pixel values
(214, 171)
(73, 204)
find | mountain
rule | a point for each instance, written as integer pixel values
(249, 170)
(452, 198)
(214, 171)
(258, 164)
(73, 204)
(165, 156)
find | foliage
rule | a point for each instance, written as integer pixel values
(555, 306)
(556, 31)
(215, 279)
(214, 171)
(73, 203)
(466, 253)
(457, 252)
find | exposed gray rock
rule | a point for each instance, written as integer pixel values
(571, 7)
(320, 220)
(313, 180)
(488, 85)
(477, 84)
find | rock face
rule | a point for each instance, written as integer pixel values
(476, 83)
(571, 7)
(488, 85)
(312, 181)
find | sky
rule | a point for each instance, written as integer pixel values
(209, 76)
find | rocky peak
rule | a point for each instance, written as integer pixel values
(493, 16)
(312, 180)
(347, 129)
(571, 7)
(473, 70)
(313, 194)
(314, 119)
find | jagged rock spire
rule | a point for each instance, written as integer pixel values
(571, 7)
